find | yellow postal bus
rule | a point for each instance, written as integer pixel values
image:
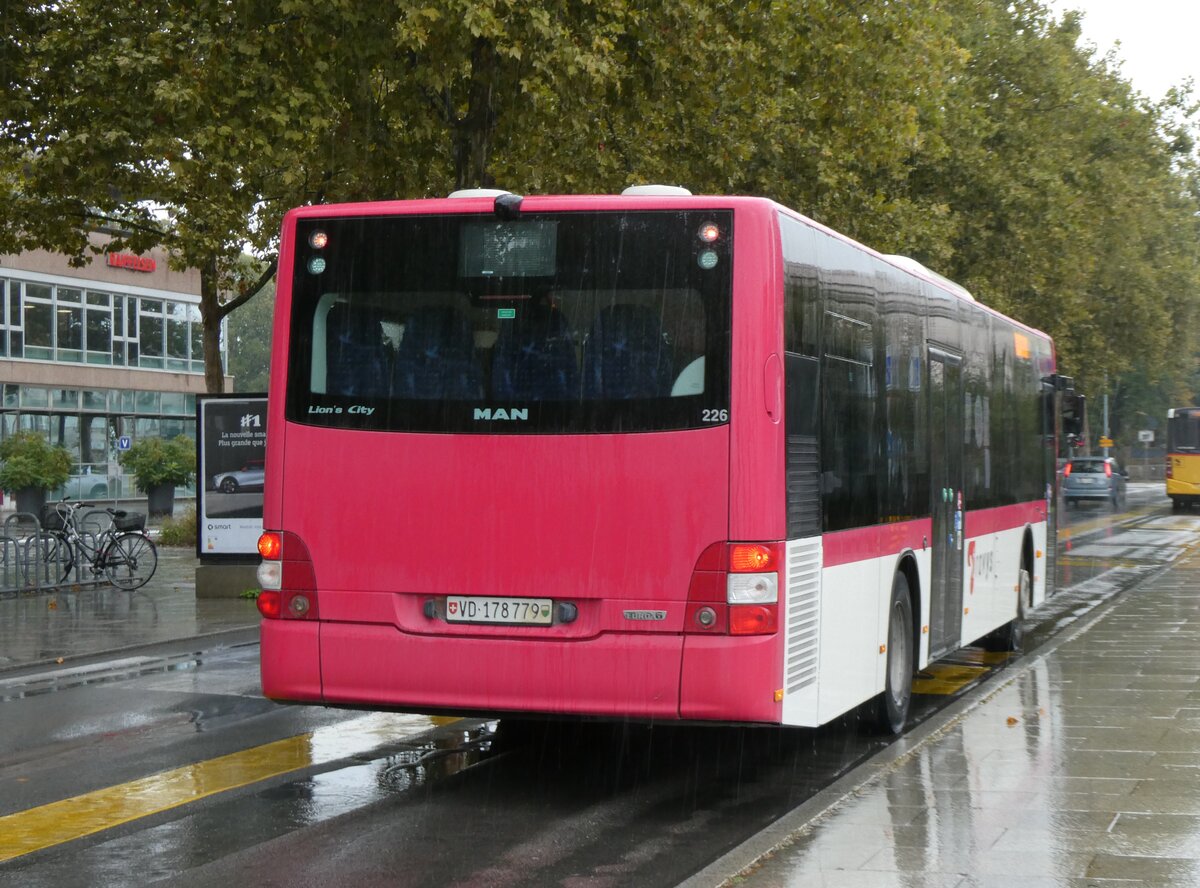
(1183, 456)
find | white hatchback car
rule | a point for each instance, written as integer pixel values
(248, 477)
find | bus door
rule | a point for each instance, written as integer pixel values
(946, 482)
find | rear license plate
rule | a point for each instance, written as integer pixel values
(518, 611)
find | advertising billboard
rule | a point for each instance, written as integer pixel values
(232, 445)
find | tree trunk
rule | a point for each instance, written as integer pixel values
(210, 319)
(473, 132)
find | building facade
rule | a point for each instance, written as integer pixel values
(90, 356)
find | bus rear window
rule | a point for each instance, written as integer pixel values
(567, 322)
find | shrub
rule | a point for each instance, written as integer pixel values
(29, 460)
(155, 461)
(179, 531)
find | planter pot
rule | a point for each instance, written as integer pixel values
(31, 500)
(161, 500)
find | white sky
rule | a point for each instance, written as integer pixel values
(1160, 39)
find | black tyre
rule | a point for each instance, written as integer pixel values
(56, 557)
(130, 561)
(229, 485)
(891, 707)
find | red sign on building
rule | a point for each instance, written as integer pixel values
(132, 262)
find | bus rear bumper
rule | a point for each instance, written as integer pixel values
(634, 675)
(615, 675)
(289, 660)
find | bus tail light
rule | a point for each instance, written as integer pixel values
(287, 579)
(1170, 473)
(735, 590)
(753, 619)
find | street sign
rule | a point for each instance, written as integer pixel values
(1106, 442)
(1146, 436)
(125, 442)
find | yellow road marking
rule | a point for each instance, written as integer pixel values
(978, 656)
(58, 822)
(944, 678)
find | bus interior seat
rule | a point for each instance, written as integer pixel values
(534, 357)
(357, 355)
(626, 355)
(436, 358)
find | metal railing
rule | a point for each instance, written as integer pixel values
(33, 559)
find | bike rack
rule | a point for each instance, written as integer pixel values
(24, 562)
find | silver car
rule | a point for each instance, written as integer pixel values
(248, 477)
(83, 487)
(1095, 478)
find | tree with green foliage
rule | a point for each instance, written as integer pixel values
(249, 342)
(1008, 158)
(196, 125)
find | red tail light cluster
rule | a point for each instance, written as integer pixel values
(1108, 470)
(1067, 471)
(735, 590)
(1170, 472)
(289, 588)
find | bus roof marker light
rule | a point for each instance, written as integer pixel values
(318, 240)
(709, 232)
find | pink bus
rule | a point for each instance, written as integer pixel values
(650, 456)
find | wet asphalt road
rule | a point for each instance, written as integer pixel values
(362, 799)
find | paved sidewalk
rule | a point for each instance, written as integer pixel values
(1081, 770)
(40, 628)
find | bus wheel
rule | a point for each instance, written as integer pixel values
(891, 707)
(1010, 636)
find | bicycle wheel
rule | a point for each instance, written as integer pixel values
(57, 557)
(130, 561)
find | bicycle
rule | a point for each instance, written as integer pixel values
(121, 551)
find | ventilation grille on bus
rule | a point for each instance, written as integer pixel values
(803, 611)
(803, 487)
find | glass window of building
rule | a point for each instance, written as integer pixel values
(99, 328)
(68, 315)
(147, 402)
(32, 396)
(173, 403)
(197, 339)
(38, 322)
(16, 334)
(150, 333)
(177, 336)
